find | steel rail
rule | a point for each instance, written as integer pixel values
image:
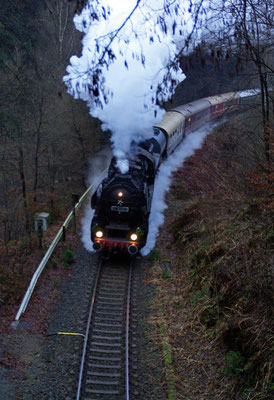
(127, 330)
(87, 333)
(92, 313)
(52, 247)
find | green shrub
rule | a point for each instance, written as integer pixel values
(68, 257)
(155, 254)
(54, 263)
(234, 363)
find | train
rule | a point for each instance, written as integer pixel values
(122, 202)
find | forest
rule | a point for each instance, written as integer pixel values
(46, 137)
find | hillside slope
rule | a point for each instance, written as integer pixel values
(217, 305)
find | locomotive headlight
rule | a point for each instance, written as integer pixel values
(133, 237)
(120, 194)
(99, 234)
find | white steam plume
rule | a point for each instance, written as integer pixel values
(163, 180)
(86, 220)
(142, 52)
(97, 165)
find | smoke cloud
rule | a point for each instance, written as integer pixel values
(88, 215)
(142, 50)
(98, 164)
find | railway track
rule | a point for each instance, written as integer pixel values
(104, 370)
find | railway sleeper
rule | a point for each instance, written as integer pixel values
(106, 392)
(107, 366)
(106, 337)
(106, 374)
(107, 331)
(100, 344)
(93, 349)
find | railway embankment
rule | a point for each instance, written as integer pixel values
(217, 302)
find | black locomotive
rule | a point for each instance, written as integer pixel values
(122, 202)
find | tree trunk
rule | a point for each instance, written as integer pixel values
(23, 186)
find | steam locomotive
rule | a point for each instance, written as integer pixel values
(122, 202)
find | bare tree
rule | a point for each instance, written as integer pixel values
(247, 31)
(39, 139)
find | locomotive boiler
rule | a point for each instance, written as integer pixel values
(122, 202)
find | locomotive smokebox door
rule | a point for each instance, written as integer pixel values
(41, 220)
